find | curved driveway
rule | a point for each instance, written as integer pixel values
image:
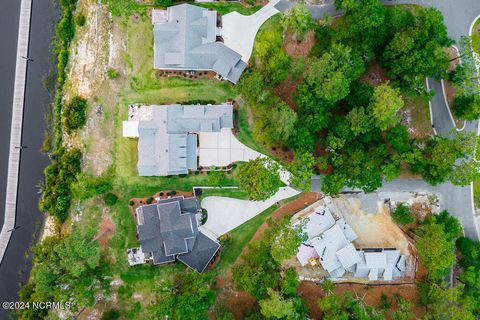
(458, 16)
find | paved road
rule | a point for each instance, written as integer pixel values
(15, 268)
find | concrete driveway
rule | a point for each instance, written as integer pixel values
(239, 31)
(222, 148)
(225, 214)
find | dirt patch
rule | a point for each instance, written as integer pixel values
(375, 75)
(296, 48)
(236, 302)
(370, 295)
(105, 231)
(286, 91)
(452, 54)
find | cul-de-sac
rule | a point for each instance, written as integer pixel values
(243, 159)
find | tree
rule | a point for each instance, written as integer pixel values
(274, 123)
(270, 58)
(259, 178)
(415, 50)
(286, 240)
(402, 215)
(399, 139)
(330, 76)
(448, 303)
(467, 106)
(363, 27)
(301, 169)
(290, 283)
(74, 114)
(359, 120)
(188, 296)
(276, 307)
(385, 105)
(404, 310)
(257, 271)
(298, 20)
(450, 159)
(434, 250)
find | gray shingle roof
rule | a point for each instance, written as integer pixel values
(187, 41)
(167, 143)
(168, 229)
(201, 254)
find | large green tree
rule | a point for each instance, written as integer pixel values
(435, 250)
(385, 105)
(277, 307)
(415, 51)
(259, 178)
(298, 20)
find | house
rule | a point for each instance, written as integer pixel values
(168, 135)
(168, 230)
(185, 38)
(330, 241)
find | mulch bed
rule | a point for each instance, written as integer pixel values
(296, 48)
(375, 75)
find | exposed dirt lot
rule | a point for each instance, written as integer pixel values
(375, 75)
(296, 48)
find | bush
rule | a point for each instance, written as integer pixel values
(74, 114)
(110, 199)
(112, 73)
(131, 203)
(402, 215)
(80, 20)
(173, 192)
(161, 194)
(149, 200)
(216, 178)
(384, 303)
(112, 314)
(163, 3)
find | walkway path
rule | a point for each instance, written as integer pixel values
(16, 127)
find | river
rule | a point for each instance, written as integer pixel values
(15, 267)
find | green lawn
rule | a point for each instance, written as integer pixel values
(476, 37)
(226, 7)
(231, 193)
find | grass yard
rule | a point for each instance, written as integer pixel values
(231, 193)
(225, 7)
(476, 36)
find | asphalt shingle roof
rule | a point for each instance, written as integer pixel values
(187, 41)
(168, 229)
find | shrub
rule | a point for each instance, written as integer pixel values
(163, 3)
(149, 200)
(402, 215)
(80, 20)
(111, 314)
(110, 199)
(161, 194)
(216, 178)
(384, 303)
(74, 114)
(131, 203)
(112, 73)
(173, 192)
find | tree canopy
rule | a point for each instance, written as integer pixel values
(259, 178)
